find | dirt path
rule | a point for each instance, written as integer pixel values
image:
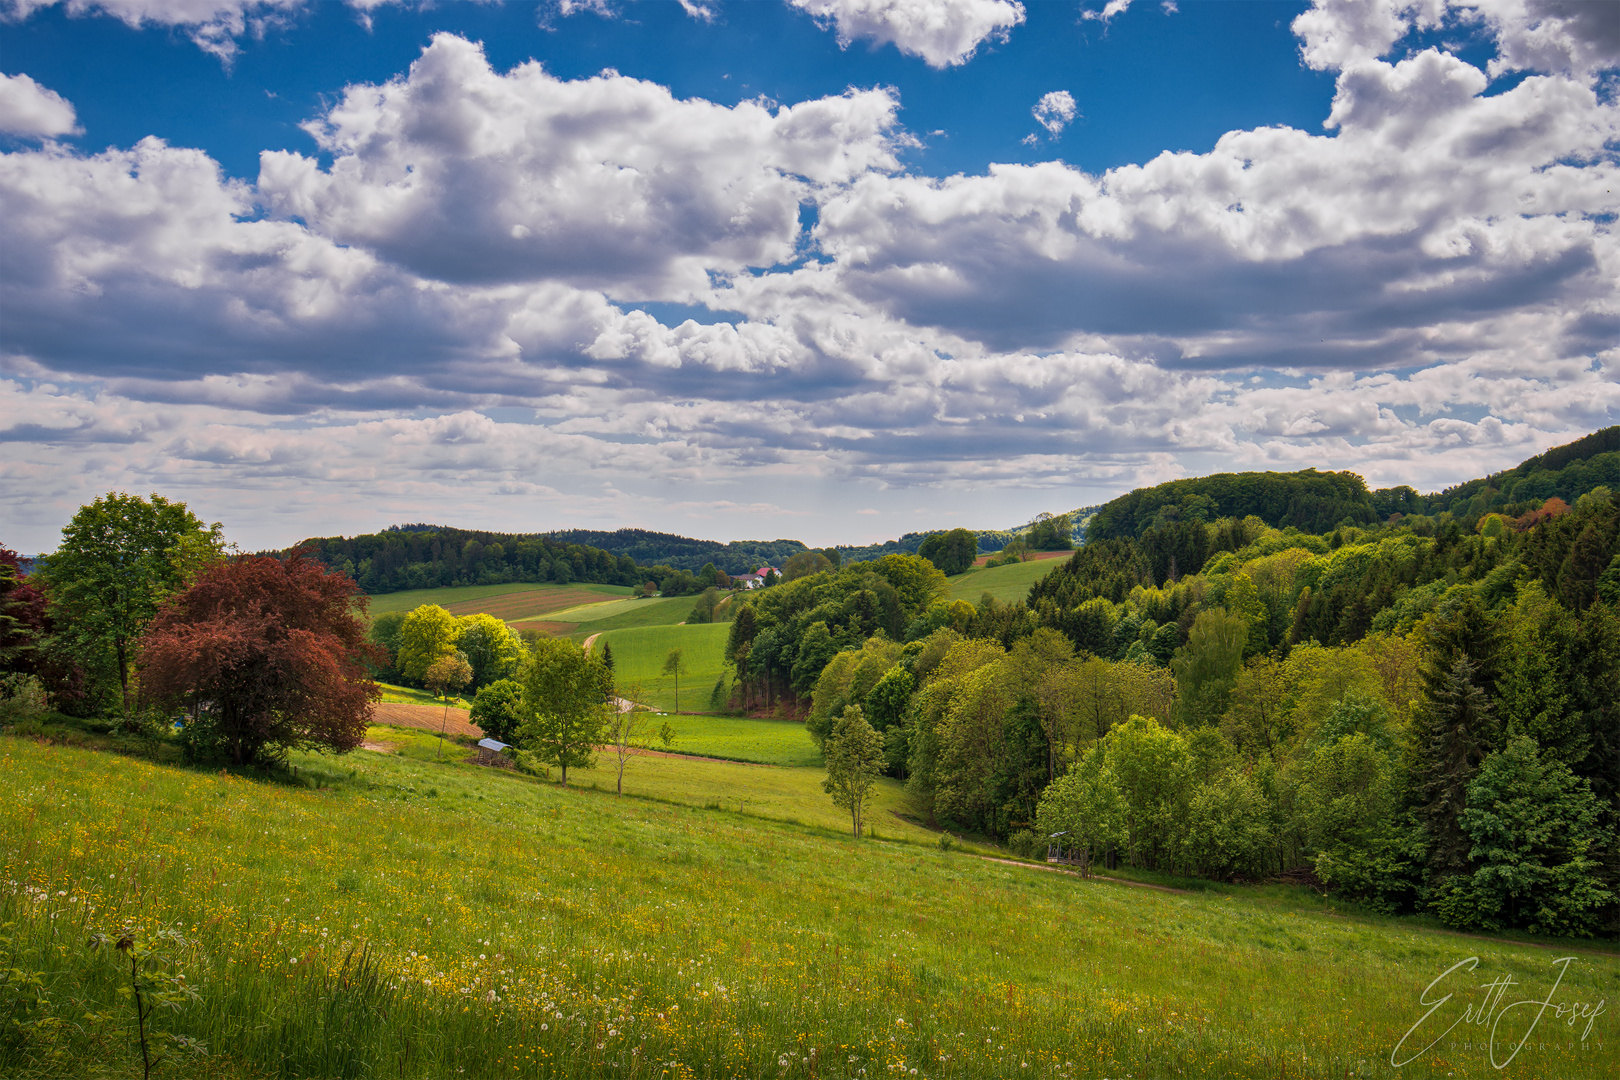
(644, 752)
(426, 718)
(590, 641)
(1071, 873)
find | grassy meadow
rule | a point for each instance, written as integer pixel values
(638, 660)
(765, 740)
(409, 919)
(1005, 583)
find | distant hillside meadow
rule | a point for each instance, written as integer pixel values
(1273, 775)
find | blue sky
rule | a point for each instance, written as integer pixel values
(827, 269)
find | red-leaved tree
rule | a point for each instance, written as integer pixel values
(265, 656)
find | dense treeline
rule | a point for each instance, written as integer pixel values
(782, 639)
(1308, 500)
(430, 556)
(1421, 713)
(1564, 472)
(682, 552)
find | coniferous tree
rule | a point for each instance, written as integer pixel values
(1454, 730)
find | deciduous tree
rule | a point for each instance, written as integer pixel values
(428, 634)
(266, 656)
(490, 646)
(566, 694)
(120, 557)
(498, 709)
(675, 665)
(854, 755)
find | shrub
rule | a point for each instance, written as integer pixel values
(21, 698)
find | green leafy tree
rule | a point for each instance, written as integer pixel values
(952, 552)
(1208, 666)
(804, 564)
(120, 557)
(1052, 533)
(490, 646)
(385, 633)
(854, 754)
(428, 634)
(1083, 811)
(498, 709)
(1229, 828)
(1154, 771)
(1535, 828)
(675, 666)
(566, 694)
(703, 609)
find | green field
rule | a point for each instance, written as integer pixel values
(638, 659)
(1005, 583)
(510, 602)
(742, 738)
(655, 612)
(415, 920)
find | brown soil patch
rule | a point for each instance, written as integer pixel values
(380, 747)
(527, 603)
(426, 718)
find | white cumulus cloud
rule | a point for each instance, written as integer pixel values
(464, 174)
(214, 25)
(34, 111)
(943, 33)
(1575, 37)
(1054, 111)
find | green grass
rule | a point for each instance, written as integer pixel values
(416, 920)
(589, 614)
(659, 611)
(513, 601)
(1005, 583)
(407, 695)
(740, 738)
(638, 659)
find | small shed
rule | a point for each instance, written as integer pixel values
(489, 751)
(1078, 854)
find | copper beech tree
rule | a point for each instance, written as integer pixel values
(265, 655)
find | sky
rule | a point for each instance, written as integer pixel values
(831, 270)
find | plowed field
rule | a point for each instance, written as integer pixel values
(526, 605)
(426, 718)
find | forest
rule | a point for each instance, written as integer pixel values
(1256, 675)
(430, 556)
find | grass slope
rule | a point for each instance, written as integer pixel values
(417, 920)
(1005, 583)
(741, 738)
(510, 602)
(638, 660)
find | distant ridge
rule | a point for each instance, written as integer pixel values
(683, 552)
